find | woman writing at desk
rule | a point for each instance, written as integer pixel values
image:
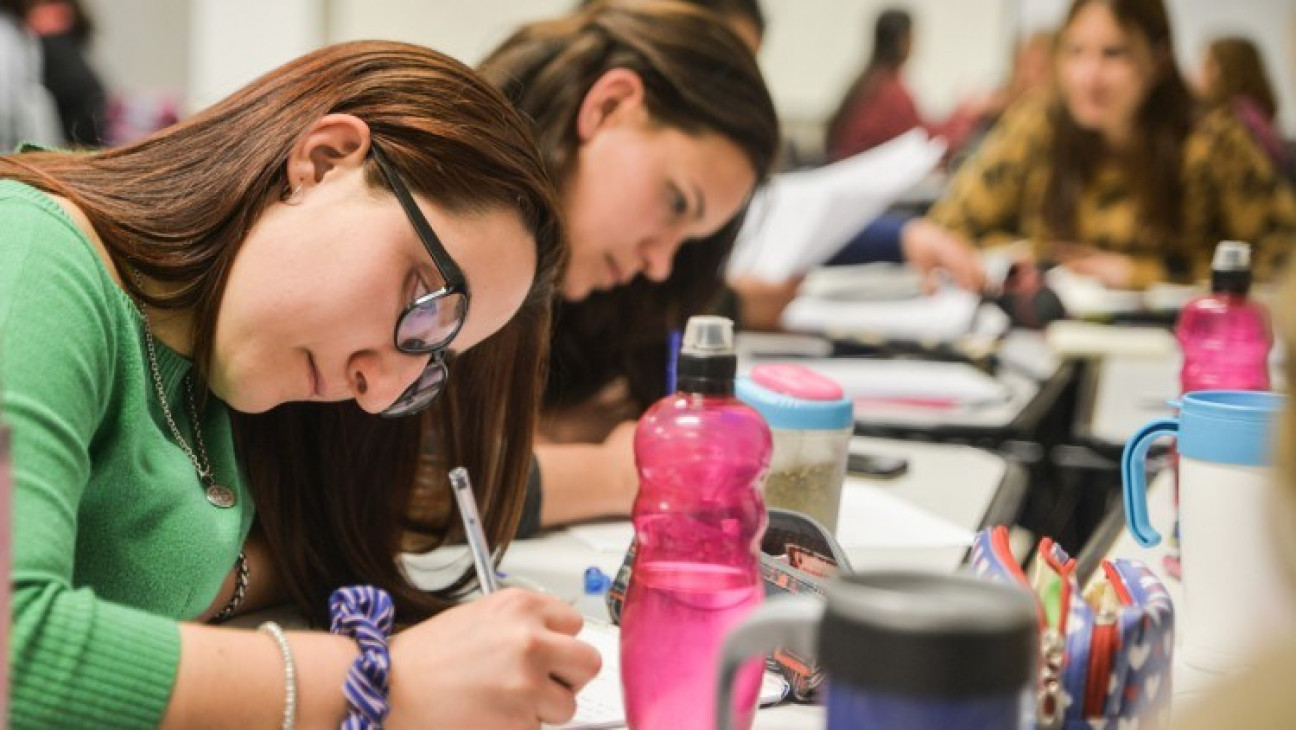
(657, 126)
(1119, 176)
(328, 233)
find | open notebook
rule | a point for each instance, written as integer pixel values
(600, 704)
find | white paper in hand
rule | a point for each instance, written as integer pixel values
(800, 219)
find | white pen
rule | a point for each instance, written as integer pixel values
(463, 493)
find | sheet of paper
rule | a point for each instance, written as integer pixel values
(1084, 339)
(800, 219)
(601, 704)
(605, 537)
(928, 382)
(946, 315)
(872, 518)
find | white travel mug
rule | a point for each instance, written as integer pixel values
(1236, 592)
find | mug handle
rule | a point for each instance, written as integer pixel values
(792, 622)
(1134, 479)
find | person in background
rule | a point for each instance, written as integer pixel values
(27, 111)
(1118, 175)
(657, 126)
(65, 30)
(904, 235)
(198, 334)
(1233, 76)
(878, 105)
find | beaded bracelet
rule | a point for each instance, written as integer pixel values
(366, 614)
(290, 673)
(241, 574)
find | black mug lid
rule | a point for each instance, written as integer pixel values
(929, 634)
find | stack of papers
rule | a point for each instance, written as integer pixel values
(944, 316)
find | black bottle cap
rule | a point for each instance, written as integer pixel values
(707, 363)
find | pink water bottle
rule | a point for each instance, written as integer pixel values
(702, 456)
(1225, 336)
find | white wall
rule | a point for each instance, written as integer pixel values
(465, 30)
(232, 42)
(813, 47)
(141, 44)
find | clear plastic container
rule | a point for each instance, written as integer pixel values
(812, 425)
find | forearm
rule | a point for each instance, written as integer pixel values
(580, 482)
(235, 678)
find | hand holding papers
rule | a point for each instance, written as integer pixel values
(800, 219)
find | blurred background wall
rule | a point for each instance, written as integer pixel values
(201, 50)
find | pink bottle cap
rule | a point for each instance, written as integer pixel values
(797, 381)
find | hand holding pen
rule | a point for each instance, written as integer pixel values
(501, 661)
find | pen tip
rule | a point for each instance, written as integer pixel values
(459, 477)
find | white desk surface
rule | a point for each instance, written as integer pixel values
(1130, 392)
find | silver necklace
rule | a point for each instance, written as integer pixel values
(218, 494)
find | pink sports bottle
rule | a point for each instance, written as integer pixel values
(702, 457)
(1225, 336)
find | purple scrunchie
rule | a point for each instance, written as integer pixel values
(366, 614)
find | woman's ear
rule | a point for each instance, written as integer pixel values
(332, 142)
(615, 96)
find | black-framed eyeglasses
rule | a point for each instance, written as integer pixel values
(429, 323)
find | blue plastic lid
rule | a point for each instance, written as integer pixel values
(1229, 426)
(785, 411)
(596, 581)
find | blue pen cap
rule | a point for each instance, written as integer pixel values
(596, 581)
(782, 410)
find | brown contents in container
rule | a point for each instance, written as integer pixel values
(807, 488)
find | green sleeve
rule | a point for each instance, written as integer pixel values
(75, 660)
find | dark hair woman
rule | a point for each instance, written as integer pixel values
(656, 122)
(335, 231)
(1118, 175)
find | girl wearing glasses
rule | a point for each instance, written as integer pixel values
(657, 125)
(173, 317)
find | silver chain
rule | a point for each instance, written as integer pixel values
(200, 462)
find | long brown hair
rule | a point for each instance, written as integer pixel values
(1155, 161)
(698, 77)
(1241, 73)
(331, 483)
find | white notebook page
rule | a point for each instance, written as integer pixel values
(600, 704)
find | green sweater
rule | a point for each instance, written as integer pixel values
(114, 540)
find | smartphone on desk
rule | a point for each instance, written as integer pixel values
(876, 466)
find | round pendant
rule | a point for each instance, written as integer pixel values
(220, 496)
